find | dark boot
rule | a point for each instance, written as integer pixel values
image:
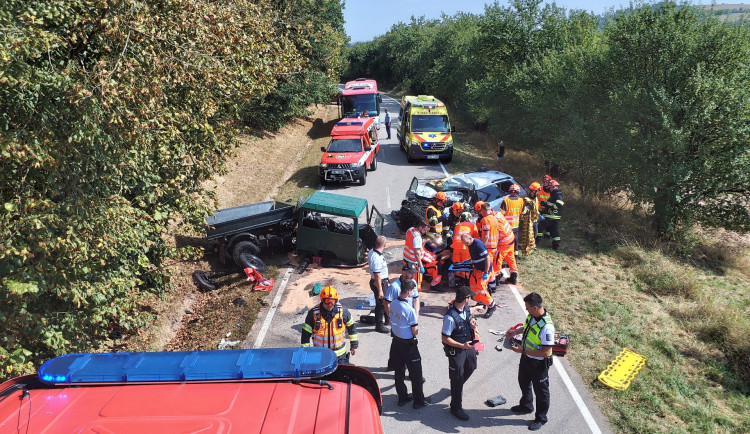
(490, 310)
(492, 287)
(555, 245)
(513, 279)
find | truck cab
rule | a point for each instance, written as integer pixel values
(360, 96)
(425, 131)
(352, 151)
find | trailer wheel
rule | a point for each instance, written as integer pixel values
(244, 247)
(203, 282)
(252, 261)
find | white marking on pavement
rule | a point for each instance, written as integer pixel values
(388, 197)
(272, 310)
(566, 380)
(443, 167)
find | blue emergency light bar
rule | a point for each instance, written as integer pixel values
(349, 123)
(181, 366)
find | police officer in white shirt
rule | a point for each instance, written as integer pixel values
(379, 282)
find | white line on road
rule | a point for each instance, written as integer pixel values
(388, 197)
(272, 310)
(443, 167)
(566, 380)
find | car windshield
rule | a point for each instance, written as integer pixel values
(430, 123)
(360, 103)
(345, 145)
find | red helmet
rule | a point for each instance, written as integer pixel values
(535, 186)
(553, 183)
(478, 205)
(547, 178)
(441, 196)
(458, 208)
(515, 188)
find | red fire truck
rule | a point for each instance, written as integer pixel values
(360, 96)
(275, 390)
(352, 151)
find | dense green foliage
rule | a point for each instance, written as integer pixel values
(652, 101)
(112, 113)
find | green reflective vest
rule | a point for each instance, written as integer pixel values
(531, 339)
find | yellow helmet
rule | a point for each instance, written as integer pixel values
(329, 292)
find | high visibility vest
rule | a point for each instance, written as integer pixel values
(543, 195)
(410, 254)
(505, 232)
(532, 340)
(513, 208)
(461, 252)
(330, 335)
(490, 232)
(434, 227)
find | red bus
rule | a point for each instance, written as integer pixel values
(358, 96)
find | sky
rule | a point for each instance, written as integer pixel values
(367, 19)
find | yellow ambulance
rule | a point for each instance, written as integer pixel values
(425, 130)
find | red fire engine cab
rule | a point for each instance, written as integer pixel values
(352, 151)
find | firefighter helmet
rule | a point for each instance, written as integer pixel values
(547, 178)
(457, 208)
(441, 196)
(329, 292)
(465, 216)
(478, 205)
(535, 186)
(515, 188)
(553, 184)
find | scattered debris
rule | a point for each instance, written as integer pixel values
(239, 302)
(302, 311)
(224, 343)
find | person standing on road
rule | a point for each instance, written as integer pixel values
(536, 358)
(404, 351)
(551, 211)
(435, 213)
(529, 218)
(512, 207)
(388, 123)
(328, 324)
(480, 274)
(458, 342)
(379, 282)
(407, 273)
(413, 249)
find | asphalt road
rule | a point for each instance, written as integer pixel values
(571, 411)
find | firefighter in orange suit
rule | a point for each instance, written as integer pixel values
(488, 229)
(434, 213)
(504, 245)
(413, 246)
(328, 324)
(460, 251)
(482, 264)
(511, 207)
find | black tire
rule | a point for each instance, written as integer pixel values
(402, 222)
(363, 178)
(203, 282)
(244, 247)
(374, 165)
(323, 180)
(252, 261)
(408, 157)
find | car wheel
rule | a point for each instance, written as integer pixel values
(374, 164)
(203, 282)
(323, 180)
(363, 178)
(252, 261)
(244, 247)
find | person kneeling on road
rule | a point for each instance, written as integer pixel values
(480, 274)
(458, 341)
(404, 351)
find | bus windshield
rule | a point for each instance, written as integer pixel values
(360, 103)
(430, 123)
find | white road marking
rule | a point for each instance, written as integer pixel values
(443, 167)
(388, 197)
(272, 310)
(566, 380)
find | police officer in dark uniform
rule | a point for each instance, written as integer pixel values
(458, 341)
(536, 358)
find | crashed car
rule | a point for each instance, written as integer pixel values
(486, 186)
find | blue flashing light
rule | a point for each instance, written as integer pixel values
(184, 366)
(425, 145)
(349, 123)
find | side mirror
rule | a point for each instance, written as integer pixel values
(323, 148)
(380, 98)
(368, 148)
(453, 129)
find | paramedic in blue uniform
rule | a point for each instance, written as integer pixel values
(404, 351)
(536, 358)
(458, 342)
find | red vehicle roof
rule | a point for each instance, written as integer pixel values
(360, 86)
(354, 127)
